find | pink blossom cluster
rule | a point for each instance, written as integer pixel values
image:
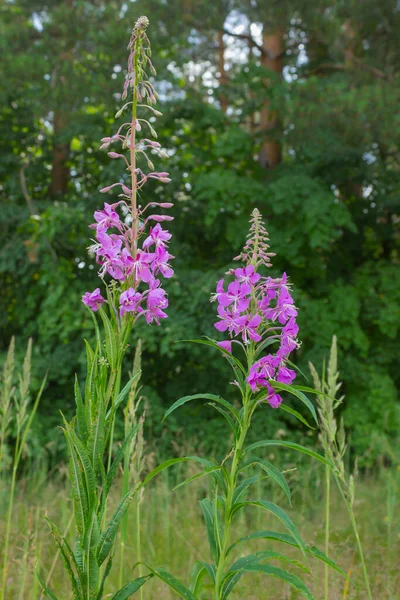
(113, 252)
(259, 309)
(116, 247)
(254, 308)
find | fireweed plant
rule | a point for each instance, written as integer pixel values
(258, 315)
(130, 246)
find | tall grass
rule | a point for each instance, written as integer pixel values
(177, 541)
(333, 440)
(15, 411)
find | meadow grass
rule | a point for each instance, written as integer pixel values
(172, 535)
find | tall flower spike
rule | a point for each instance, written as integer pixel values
(256, 307)
(256, 248)
(117, 240)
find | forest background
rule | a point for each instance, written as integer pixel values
(290, 106)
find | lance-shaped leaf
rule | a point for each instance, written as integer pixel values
(242, 565)
(123, 393)
(296, 414)
(68, 558)
(285, 576)
(81, 422)
(45, 589)
(212, 397)
(130, 588)
(279, 514)
(206, 471)
(292, 446)
(97, 436)
(107, 537)
(207, 509)
(172, 582)
(285, 538)
(111, 335)
(274, 474)
(295, 392)
(241, 489)
(117, 460)
(103, 579)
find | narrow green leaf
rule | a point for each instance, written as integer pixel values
(88, 479)
(279, 513)
(296, 414)
(213, 344)
(226, 416)
(276, 475)
(118, 457)
(295, 392)
(107, 537)
(292, 446)
(103, 579)
(131, 588)
(240, 490)
(289, 578)
(97, 435)
(45, 589)
(68, 559)
(212, 397)
(80, 412)
(172, 582)
(288, 539)
(198, 475)
(196, 577)
(78, 488)
(111, 335)
(123, 393)
(207, 509)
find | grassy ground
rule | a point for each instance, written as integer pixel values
(173, 536)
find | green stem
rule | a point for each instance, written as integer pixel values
(327, 527)
(357, 536)
(229, 501)
(9, 517)
(138, 543)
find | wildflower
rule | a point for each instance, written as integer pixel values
(259, 309)
(129, 301)
(93, 299)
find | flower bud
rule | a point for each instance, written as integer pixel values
(104, 146)
(113, 154)
(105, 189)
(150, 165)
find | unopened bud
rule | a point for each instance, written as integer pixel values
(150, 165)
(126, 190)
(165, 179)
(166, 204)
(157, 112)
(105, 146)
(105, 189)
(138, 126)
(163, 154)
(113, 154)
(153, 133)
(119, 113)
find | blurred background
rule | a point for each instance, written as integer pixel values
(290, 106)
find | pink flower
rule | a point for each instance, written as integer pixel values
(234, 296)
(157, 236)
(247, 277)
(156, 301)
(106, 218)
(160, 262)
(129, 301)
(93, 299)
(247, 326)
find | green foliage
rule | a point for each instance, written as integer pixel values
(332, 203)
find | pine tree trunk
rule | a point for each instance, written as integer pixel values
(270, 153)
(223, 79)
(61, 150)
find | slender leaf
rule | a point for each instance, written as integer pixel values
(131, 588)
(296, 414)
(207, 509)
(289, 578)
(213, 344)
(279, 513)
(198, 475)
(276, 475)
(285, 538)
(80, 412)
(118, 457)
(196, 577)
(227, 416)
(240, 490)
(295, 392)
(212, 397)
(111, 340)
(292, 446)
(103, 579)
(172, 582)
(46, 590)
(108, 535)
